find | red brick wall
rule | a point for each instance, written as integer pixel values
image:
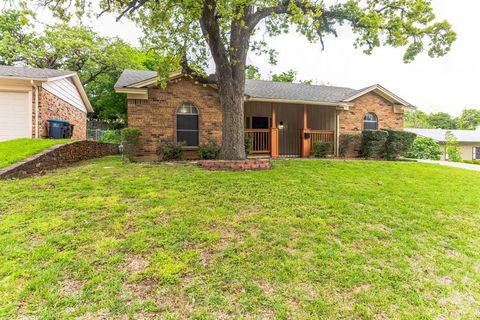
(52, 107)
(352, 119)
(156, 117)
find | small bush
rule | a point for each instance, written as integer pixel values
(111, 136)
(398, 143)
(452, 149)
(248, 145)
(169, 151)
(210, 150)
(424, 148)
(130, 141)
(322, 149)
(349, 143)
(373, 143)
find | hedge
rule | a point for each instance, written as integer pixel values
(398, 143)
(349, 143)
(373, 143)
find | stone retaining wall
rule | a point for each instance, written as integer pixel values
(57, 157)
(240, 165)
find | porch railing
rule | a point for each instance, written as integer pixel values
(322, 136)
(260, 139)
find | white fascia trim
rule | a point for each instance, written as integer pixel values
(131, 90)
(316, 103)
(382, 90)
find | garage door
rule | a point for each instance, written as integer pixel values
(15, 119)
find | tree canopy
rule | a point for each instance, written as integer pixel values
(97, 60)
(193, 32)
(468, 120)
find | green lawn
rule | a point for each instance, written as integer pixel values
(15, 150)
(308, 239)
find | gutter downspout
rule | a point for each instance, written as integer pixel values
(36, 109)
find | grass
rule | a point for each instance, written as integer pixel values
(308, 239)
(15, 150)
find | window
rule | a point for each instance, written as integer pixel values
(370, 121)
(260, 122)
(476, 153)
(187, 124)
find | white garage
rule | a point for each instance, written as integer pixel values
(15, 115)
(29, 97)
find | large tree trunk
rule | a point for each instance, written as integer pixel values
(231, 101)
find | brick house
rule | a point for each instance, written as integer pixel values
(29, 97)
(281, 119)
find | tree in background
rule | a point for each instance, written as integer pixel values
(98, 60)
(287, 76)
(416, 119)
(253, 73)
(469, 119)
(195, 31)
(441, 120)
(452, 147)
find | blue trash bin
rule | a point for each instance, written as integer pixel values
(57, 129)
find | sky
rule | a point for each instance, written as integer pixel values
(448, 84)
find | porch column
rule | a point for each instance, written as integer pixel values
(306, 144)
(274, 134)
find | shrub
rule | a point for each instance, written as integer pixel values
(169, 151)
(373, 143)
(453, 149)
(111, 136)
(398, 143)
(248, 145)
(424, 148)
(130, 141)
(210, 150)
(472, 161)
(322, 149)
(347, 142)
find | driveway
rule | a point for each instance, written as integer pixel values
(467, 166)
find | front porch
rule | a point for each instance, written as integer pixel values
(289, 130)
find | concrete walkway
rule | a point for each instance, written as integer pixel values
(466, 166)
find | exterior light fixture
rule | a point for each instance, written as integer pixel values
(281, 126)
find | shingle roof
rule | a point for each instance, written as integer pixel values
(31, 73)
(439, 134)
(262, 89)
(296, 91)
(129, 77)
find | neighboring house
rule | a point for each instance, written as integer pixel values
(468, 140)
(29, 97)
(282, 119)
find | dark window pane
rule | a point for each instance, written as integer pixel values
(477, 153)
(187, 122)
(260, 122)
(189, 137)
(370, 126)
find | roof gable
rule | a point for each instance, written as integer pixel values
(46, 75)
